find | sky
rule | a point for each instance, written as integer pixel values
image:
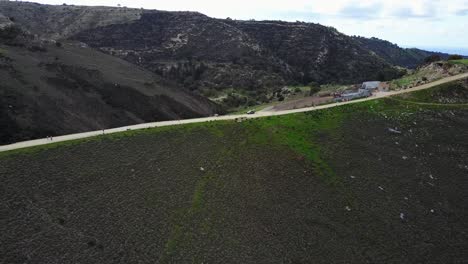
(433, 24)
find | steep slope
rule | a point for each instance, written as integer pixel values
(205, 53)
(189, 47)
(62, 21)
(50, 89)
(377, 182)
(317, 53)
(392, 53)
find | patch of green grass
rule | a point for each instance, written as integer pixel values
(299, 132)
(404, 81)
(36, 149)
(197, 199)
(214, 127)
(462, 62)
(450, 93)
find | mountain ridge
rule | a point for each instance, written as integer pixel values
(204, 53)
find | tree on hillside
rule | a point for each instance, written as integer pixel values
(455, 57)
(10, 32)
(432, 58)
(314, 88)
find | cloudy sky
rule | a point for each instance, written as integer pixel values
(419, 23)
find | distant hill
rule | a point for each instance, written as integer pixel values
(51, 89)
(392, 53)
(206, 53)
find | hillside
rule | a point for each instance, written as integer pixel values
(392, 53)
(52, 89)
(376, 182)
(208, 54)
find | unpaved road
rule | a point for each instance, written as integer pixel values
(301, 103)
(38, 142)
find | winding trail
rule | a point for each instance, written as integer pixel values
(44, 141)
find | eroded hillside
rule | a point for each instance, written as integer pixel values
(61, 88)
(204, 53)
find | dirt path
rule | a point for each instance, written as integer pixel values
(301, 103)
(264, 113)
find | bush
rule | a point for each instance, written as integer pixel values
(455, 57)
(10, 33)
(58, 44)
(432, 58)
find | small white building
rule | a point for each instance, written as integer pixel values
(371, 86)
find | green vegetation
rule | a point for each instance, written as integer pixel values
(455, 57)
(462, 62)
(432, 58)
(404, 81)
(412, 79)
(450, 93)
(321, 186)
(430, 73)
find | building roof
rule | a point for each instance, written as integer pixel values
(370, 85)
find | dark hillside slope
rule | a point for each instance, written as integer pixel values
(48, 90)
(392, 53)
(376, 182)
(191, 48)
(317, 53)
(206, 53)
(61, 21)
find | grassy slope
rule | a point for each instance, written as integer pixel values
(271, 190)
(451, 93)
(464, 61)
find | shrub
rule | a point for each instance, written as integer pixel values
(314, 88)
(10, 33)
(432, 58)
(455, 57)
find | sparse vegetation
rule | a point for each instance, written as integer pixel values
(432, 58)
(314, 88)
(9, 33)
(455, 57)
(461, 62)
(279, 188)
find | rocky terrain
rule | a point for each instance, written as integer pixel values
(429, 73)
(392, 53)
(56, 88)
(377, 182)
(206, 54)
(184, 56)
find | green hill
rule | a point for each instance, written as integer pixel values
(377, 182)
